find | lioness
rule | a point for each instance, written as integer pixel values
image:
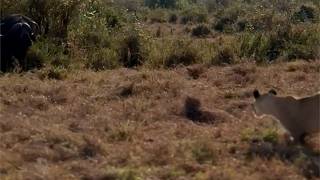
(299, 117)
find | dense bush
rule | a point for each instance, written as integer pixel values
(47, 52)
(34, 59)
(291, 42)
(103, 59)
(105, 34)
(182, 54)
(131, 50)
(53, 16)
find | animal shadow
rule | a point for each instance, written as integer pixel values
(193, 111)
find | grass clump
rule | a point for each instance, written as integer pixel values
(124, 132)
(269, 135)
(173, 18)
(203, 152)
(182, 53)
(224, 25)
(305, 14)
(200, 31)
(224, 56)
(52, 72)
(291, 42)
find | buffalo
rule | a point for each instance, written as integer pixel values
(17, 34)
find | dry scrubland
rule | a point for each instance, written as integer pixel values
(140, 124)
(180, 110)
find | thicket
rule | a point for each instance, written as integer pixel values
(104, 34)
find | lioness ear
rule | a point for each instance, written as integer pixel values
(256, 94)
(272, 91)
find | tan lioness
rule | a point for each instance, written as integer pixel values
(299, 117)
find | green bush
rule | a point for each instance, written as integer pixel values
(303, 42)
(182, 53)
(34, 59)
(225, 56)
(194, 14)
(53, 16)
(55, 73)
(291, 42)
(103, 59)
(158, 16)
(48, 52)
(258, 46)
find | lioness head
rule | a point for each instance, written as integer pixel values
(264, 102)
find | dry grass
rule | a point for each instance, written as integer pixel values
(130, 124)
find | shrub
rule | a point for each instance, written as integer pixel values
(158, 33)
(202, 18)
(263, 46)
(103, 59)
(270, 135)
(182, 53)
(305, 14)
(11, 7)
(160, 3)
(56, 73)
(183, 57)
(185, 19)
(224, 25)
(60, 60)
(200, 31)
(195, 14)
(158, 16)
(224, 57)
(197, 18)
(303, 42)
(203, 152)
(173, 18)
(34, 59)
(291, 42)
(53, 16)
(47, 52)
(242, 25)
(130, 51)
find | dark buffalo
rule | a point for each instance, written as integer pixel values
(17, 34)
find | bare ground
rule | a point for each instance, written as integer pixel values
(186, 123)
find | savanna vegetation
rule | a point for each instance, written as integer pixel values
(158, 89)
(104, 34)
